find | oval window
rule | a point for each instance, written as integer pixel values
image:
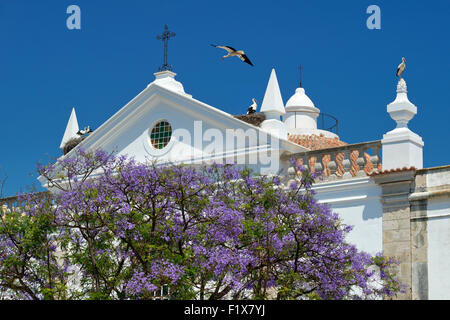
(161, 134)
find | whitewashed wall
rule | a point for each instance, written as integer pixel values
(438, 249)
(196, 138)
(357, 201)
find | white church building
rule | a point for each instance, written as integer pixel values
(395, 205)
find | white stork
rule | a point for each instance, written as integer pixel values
(83, 132)
(233, 52)
(252, 108)
(401, 67)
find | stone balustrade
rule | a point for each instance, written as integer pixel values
(9, 203)
(344, 162)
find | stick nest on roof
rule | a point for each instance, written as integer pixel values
(255, 118)
(72, 143)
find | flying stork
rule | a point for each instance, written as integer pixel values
(233, 52)
(401, 67)
(252, 108)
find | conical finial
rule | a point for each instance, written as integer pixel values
(71, 129)
(273, 102)
(273, 107)
(401, 109)
(401, 86)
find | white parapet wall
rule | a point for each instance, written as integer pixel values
(357, 201)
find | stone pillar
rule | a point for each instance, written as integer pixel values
(419, 242)
(397, 238)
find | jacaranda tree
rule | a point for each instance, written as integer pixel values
(112, 228)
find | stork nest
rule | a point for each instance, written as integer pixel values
(72, 143)
(255, 118)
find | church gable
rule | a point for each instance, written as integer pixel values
(166, 125)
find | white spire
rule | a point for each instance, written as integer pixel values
(71, 129)
(272, 104)
(273, 108)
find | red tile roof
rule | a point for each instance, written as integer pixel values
(315, 142)
(393, 170)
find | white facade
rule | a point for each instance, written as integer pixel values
(357, 201)
(202, 133)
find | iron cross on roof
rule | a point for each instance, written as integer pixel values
(165, 36)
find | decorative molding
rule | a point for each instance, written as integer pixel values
(418, 196)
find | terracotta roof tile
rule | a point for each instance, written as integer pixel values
(315, 142)
(393, 170)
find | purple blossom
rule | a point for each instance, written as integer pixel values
(126, 229)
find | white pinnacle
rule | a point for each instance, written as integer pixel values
(401, 109)
(167, 80)
(71, 129)
(401, 146)
(273, 102)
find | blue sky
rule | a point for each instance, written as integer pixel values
(348, 70)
